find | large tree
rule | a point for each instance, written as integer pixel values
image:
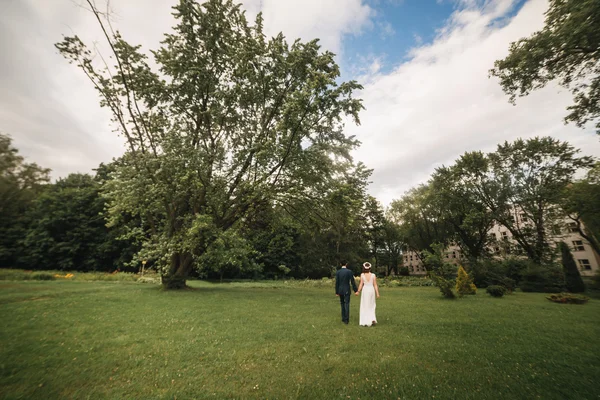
(521, 183)
(230, 121)
(470, 219)
(422, 222)
(567, 49)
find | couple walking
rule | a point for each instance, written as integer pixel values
(368, 285)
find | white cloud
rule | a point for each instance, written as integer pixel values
(441, 103)
(327, 20)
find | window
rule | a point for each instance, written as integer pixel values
(523, 217)
(556, 229)
(453, 254)
(492, 237)
(572, 227)
(578, 245)
(497, 250)
(504, 235)
(584, 264)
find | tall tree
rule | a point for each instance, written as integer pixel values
(20, 184)
(469, 217)
(522, 185)
(393, 241)
(231, 121)
(375, 222)
(422, 222)
(567, 49)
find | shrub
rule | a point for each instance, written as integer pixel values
(514, 268)
(496, 290)
(573, 279)
(543, 279)
(405, 281)
(441, 272)
(444, 284)
(568, 298)
(403, 271)
(464, 283)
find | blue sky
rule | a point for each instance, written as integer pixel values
(398, 26)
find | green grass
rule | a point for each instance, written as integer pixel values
(121, 340)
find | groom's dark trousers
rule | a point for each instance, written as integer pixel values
(343, 279)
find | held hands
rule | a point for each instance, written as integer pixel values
(356, 293)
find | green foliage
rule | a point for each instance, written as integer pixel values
(464, 283)
(522, 184)
(404, 271)
(566, 49)
(20, 183)
(506, 273)
(67, 229)
(543, 279)
(582, 204)
(496, 290)
(421, 222)
(468, 216)
(568, 298)
(596, 280)
(573, 280)
(405, 281)
(26, 275)
(233, 120)
(441, 272)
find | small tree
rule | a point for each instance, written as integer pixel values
(464, 283)
(573, 279)
(442, 273)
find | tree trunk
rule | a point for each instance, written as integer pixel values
(181, 266)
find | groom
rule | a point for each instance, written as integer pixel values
(343, 278)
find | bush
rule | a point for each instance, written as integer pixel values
(464, 283)
(543, 279)
(444, 284)
(403, 271)
(496, 290)
(405, 281)
(568, 298)
(514, 268)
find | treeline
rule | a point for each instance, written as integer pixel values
(64, 226)
(526, 187)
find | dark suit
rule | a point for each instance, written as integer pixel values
(343, 279)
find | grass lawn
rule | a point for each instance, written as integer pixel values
(114, 340)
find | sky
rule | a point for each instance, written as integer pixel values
(423, 63)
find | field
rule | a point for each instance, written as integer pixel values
(126, 340)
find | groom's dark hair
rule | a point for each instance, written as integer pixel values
(343, 262)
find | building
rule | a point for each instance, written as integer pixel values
(502, 245)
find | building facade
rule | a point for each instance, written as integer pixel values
(502, 245)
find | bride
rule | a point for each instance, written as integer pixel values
(368, 282)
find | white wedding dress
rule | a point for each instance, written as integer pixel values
(367, 302)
